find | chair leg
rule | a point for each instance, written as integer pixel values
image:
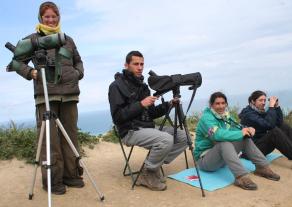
(162, 171)
(139, 172)
(127, 162)
(186, 158)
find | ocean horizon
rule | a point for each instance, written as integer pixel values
(100, 122)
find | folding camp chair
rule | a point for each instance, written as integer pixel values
(127, 160)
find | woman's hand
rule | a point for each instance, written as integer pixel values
(248, 132)
(273, 101)
(251, 131)
(34, 74)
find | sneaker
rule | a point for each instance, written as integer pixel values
(245, 183)
(59, 189)
(74, 182)
(149, 179)
(266, 172)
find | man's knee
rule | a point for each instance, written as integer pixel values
(166, 141)
(181, 136)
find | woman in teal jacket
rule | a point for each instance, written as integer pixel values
(219, 140)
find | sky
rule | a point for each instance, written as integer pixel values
(238, 46)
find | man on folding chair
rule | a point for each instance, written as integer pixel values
(133, 111)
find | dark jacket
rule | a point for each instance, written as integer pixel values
(71, 71)
(262, 122)
(124, 95)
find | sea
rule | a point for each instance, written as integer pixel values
(100, 122)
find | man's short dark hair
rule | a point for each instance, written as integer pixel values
(131, 54)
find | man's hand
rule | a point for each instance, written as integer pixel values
(148, 101)
(174, 101)
(273, 101)
(34, 74)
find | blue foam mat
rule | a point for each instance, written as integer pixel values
(215, 180)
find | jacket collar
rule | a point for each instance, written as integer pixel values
(130, 77)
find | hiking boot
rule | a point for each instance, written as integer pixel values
(149, 179)
(59, 189)
(266, 172)
(245, 183)
(73, 182)
(160, 176)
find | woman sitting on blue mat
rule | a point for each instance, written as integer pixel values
(219, 140)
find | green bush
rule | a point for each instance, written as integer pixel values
(17, 142)
(288, 118)
(21, 143)
(110, 136)
(192, 121)
(234, 113)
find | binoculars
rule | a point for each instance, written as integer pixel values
(276, 100)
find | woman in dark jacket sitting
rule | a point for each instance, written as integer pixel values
(271, 132)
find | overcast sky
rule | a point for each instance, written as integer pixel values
(237, 45)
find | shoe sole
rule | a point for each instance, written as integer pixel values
(154, 189)
(269, 178)
(245, 188)
(56, 192)
(74, 186)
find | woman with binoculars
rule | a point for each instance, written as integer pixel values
(271, 131)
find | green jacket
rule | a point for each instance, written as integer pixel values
(71, 72)
(212, 129)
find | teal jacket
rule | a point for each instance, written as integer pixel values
(212, 129)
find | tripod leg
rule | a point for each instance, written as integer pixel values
(183, 122)
(198, 173)
(37, 160)
(186, 158)
(195, 164)
(59, 124)
(48, 164)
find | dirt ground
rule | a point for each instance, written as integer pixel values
(105, 163)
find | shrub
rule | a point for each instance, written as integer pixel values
(21, 143)
(110, 136)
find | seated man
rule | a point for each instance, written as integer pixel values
(271, 132)
(219, 139)
(132, 109)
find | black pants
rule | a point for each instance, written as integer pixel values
(279, 138)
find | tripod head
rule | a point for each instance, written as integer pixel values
(40, 57)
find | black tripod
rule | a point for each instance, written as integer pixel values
(180, 122)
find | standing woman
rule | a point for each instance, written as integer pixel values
(63, 91)
(219, 140)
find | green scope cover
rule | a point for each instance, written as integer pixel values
(25, 48)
